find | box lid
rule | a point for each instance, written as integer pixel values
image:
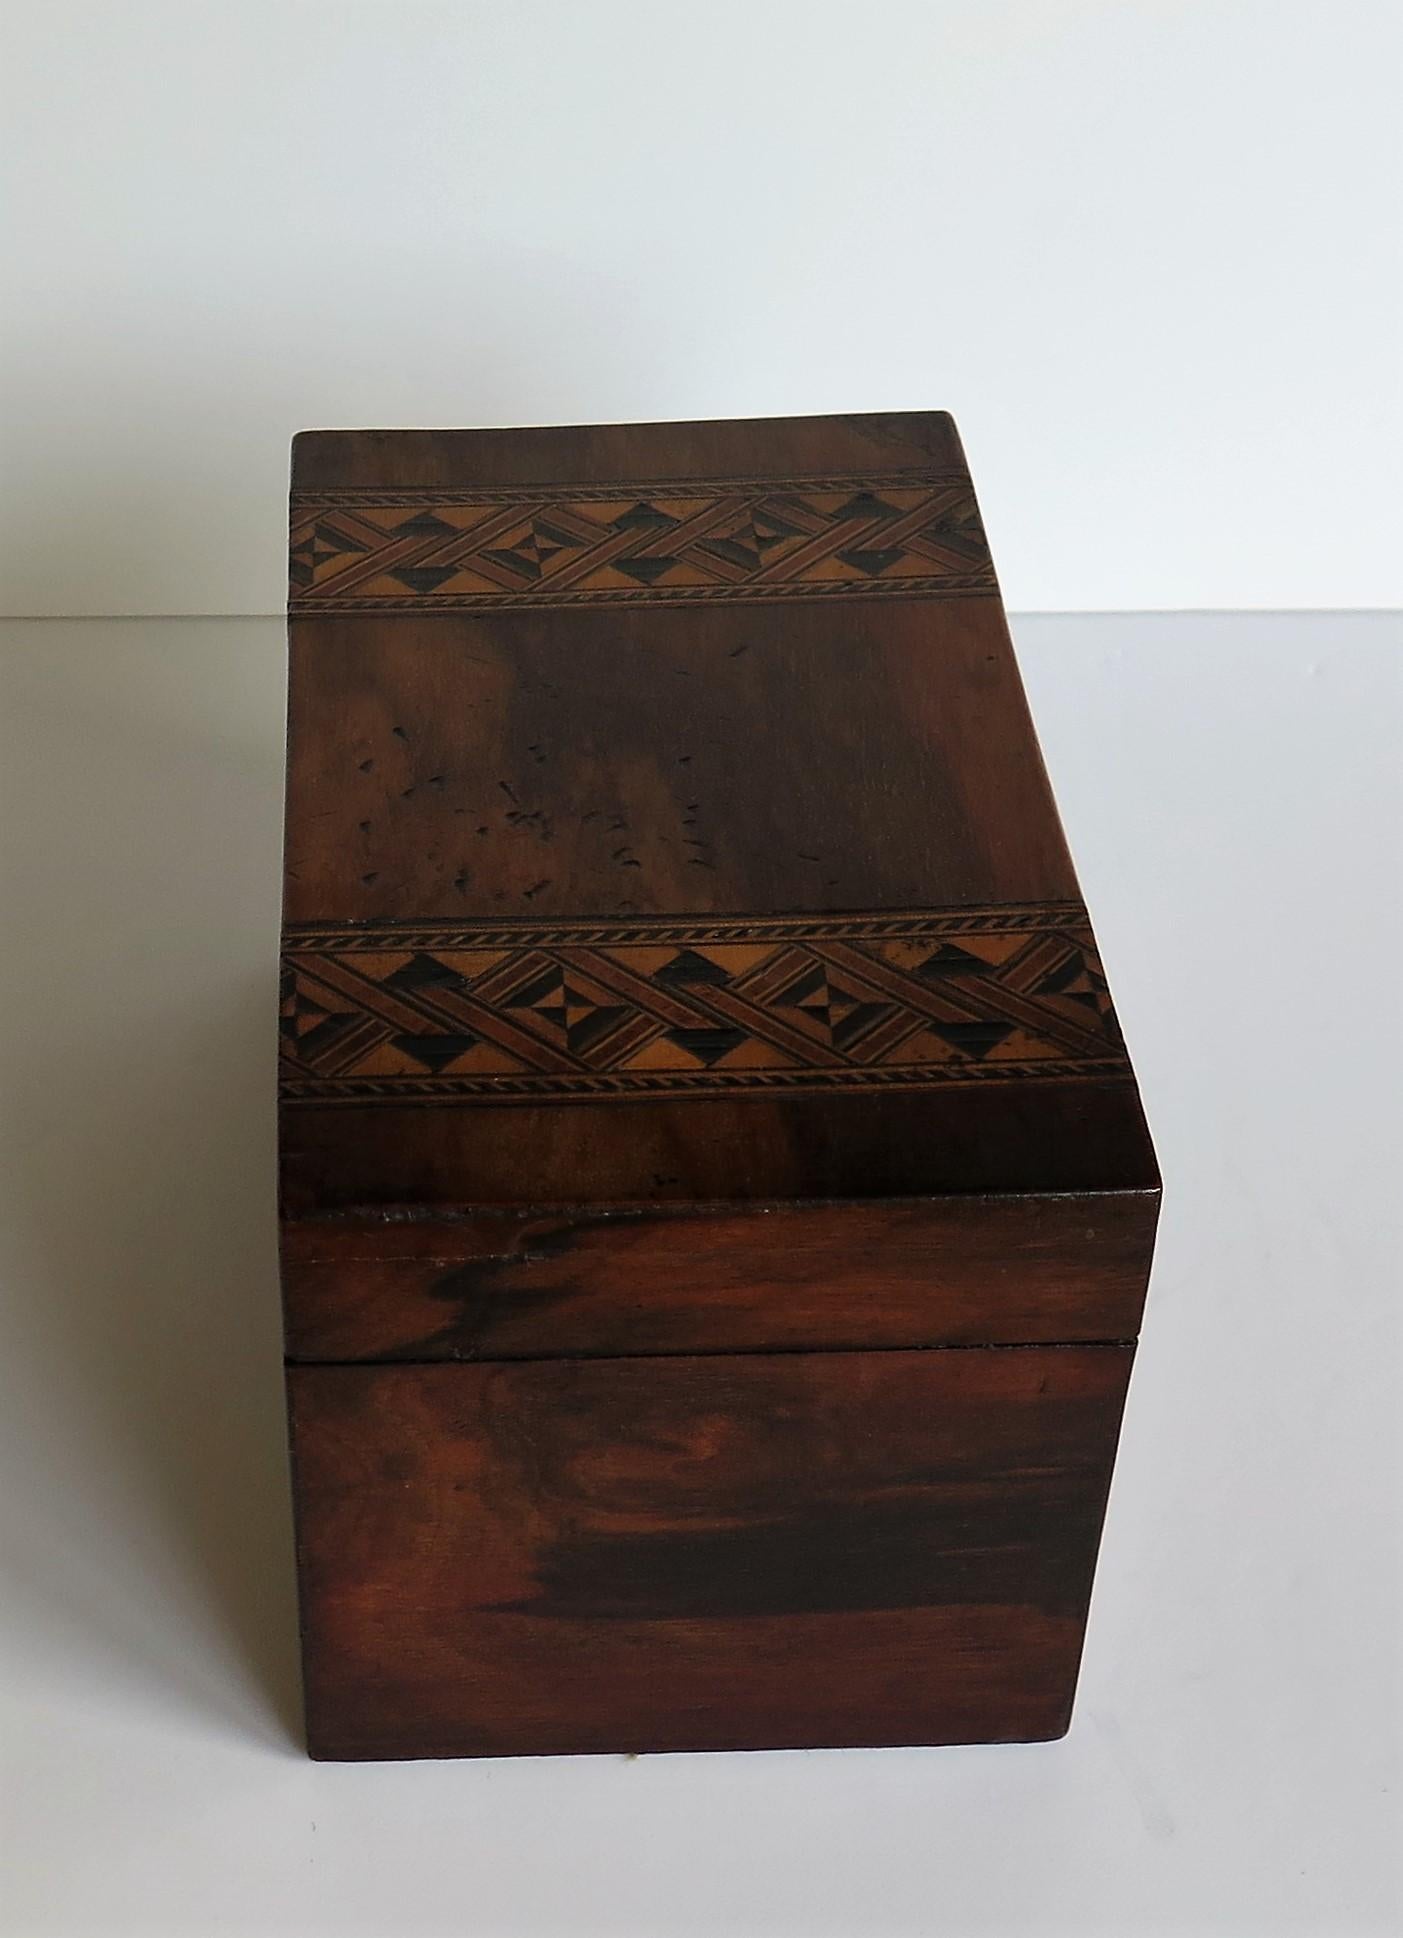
(665, 824)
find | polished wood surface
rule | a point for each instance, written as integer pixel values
(716, 1202)
(717, 1553)
(755, 1151)
(873, 443)
(675, 760)
(955, 1271)
(602, 775)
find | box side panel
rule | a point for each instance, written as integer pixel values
(953, 1271)
(767, 1552)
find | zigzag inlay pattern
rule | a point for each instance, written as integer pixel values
(424, 1013)
(675, 541)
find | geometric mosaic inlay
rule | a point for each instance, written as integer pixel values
(693, 541)
(427, 1013)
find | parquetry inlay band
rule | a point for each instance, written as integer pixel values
(679, 542)
(405, 1012)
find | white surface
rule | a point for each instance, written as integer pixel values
(1147, 251)
(1231, 790)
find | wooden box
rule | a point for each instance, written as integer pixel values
(716, 1205)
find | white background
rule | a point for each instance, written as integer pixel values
(1148, 253)
(1146, 250)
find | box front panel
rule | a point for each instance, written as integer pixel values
(777, 1550)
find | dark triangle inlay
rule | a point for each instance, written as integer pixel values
(973, 1039)
(950, 960)
(707, 1045)
(425, 972)
(687, 966)
(435, 1052)
(871, 563)
(646, 570)
(425, 525)
(863, 504)
(641, 517)
(423, 578)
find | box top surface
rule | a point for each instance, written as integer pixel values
(665, 821)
